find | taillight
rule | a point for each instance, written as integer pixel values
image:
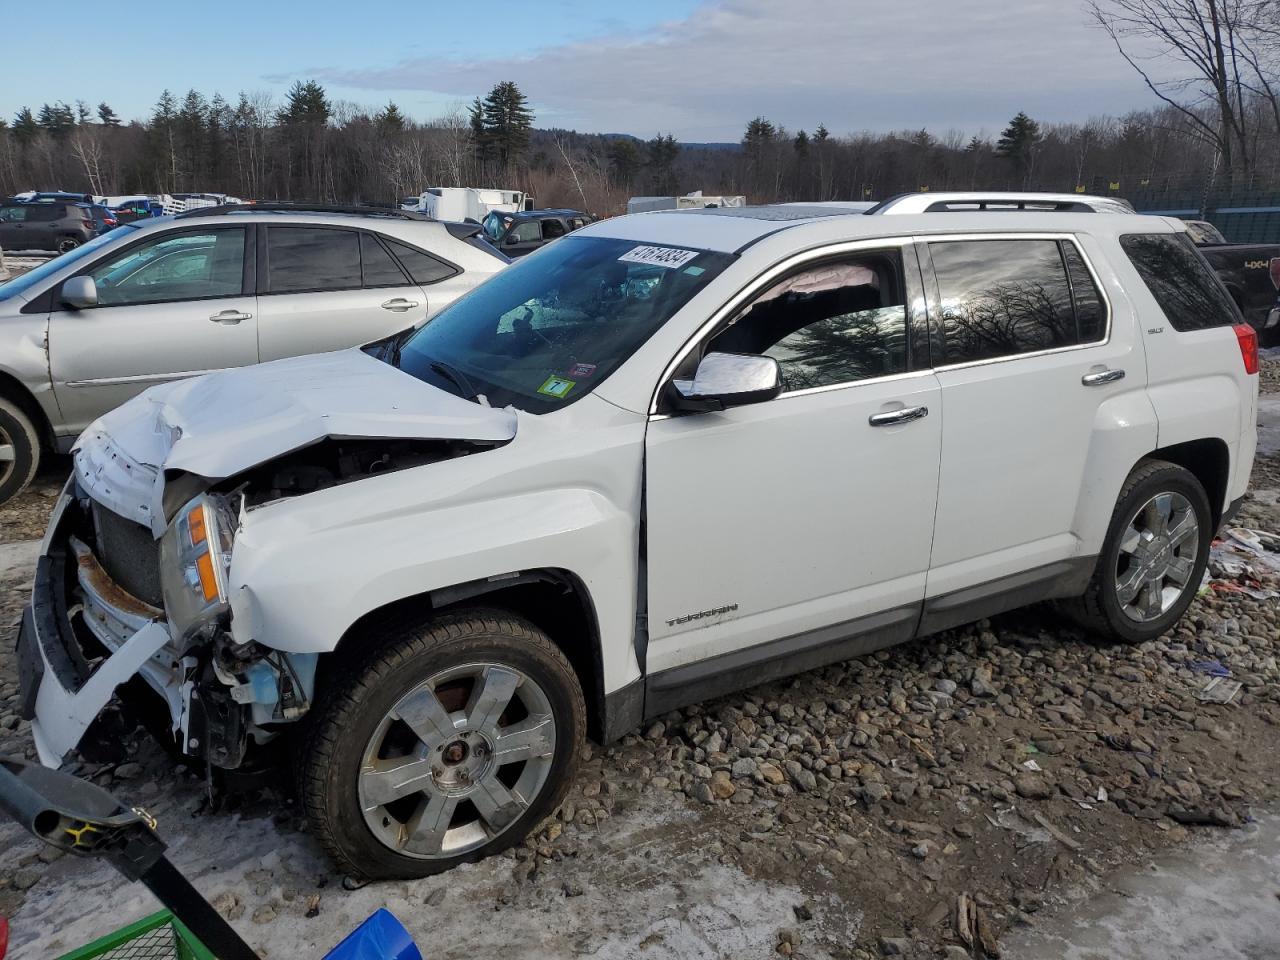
(1248, 339)
(1275, 272)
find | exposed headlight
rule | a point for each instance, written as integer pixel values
(195, 558)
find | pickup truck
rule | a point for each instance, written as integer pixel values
(1251, 273)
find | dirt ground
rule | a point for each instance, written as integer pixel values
(1011, 766)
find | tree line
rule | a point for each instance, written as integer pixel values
(1217, 128)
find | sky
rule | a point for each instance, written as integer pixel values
(699, 69)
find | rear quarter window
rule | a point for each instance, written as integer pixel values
(1181, 281)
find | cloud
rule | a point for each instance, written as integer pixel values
(869, 64)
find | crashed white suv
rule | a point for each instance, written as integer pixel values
(668, 456)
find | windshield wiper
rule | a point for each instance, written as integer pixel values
(456, 377)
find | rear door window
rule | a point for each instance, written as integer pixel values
(377, 266)
(306, 259)
(1002, 298)
(420, 265)
(552, 229)
(1183, 284)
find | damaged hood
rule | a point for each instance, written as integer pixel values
(223, 423)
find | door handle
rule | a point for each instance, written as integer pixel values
(230, 316)
(399, 304)
(1103, 376)
(895, 417)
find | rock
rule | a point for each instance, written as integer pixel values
(264, 914)
(945, 686)
(894, 946)
(127, 771)
(49, 854)
(874, 792)
(722, 787)
(805, 781)
(1032, 786)
(771, 773)
(702, 791)
(26, 879)
(435, 897)
(744, 767)
(572, 888)
(921, 850)
(803, 912)
(229, 905)
(1129, 674)
(656, 732)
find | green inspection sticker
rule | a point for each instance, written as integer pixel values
(557, 387)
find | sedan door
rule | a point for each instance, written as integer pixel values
(328, 288)
(171, 305)
(797, 530)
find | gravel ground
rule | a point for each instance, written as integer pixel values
(1006, 767)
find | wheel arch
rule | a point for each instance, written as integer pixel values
(1209, 460)
(13, 390)
(553, 599)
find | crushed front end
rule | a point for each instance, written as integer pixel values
(113, 609)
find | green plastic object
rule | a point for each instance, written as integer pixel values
(161, 936)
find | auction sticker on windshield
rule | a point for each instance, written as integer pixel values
(669, 257)
(557, 387)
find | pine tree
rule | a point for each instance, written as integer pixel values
(162, 135)
(1018, 144)
(56, 120)
(801, 145)
(821, 135)
(624, 160)
(25, 126)
(83, 113)
(107, 116)
(507, 122)
(307, 104)
(390, 118)
(663, 151)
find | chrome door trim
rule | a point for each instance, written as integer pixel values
(139, 378)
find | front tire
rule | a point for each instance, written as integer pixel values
(19, 450)
(449, 744)
(1153, 558)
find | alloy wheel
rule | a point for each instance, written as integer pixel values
(8, 455)
(457, 760)
(1157, 556)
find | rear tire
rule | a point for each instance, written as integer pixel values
(1153, 558)
(449, 744)
(67, 244)
(19, 450)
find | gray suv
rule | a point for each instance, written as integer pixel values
(220, 287)
(46, 225)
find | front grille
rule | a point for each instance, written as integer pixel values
(129, 554)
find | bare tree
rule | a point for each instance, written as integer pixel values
(1205, 39)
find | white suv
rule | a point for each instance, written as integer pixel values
(670, 455)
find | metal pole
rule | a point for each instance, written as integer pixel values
(183, 900)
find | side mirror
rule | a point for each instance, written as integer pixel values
(728, 380)
(80, 293)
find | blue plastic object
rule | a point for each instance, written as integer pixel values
(380, 937)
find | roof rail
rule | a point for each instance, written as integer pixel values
(285, 207)
(999, 202)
